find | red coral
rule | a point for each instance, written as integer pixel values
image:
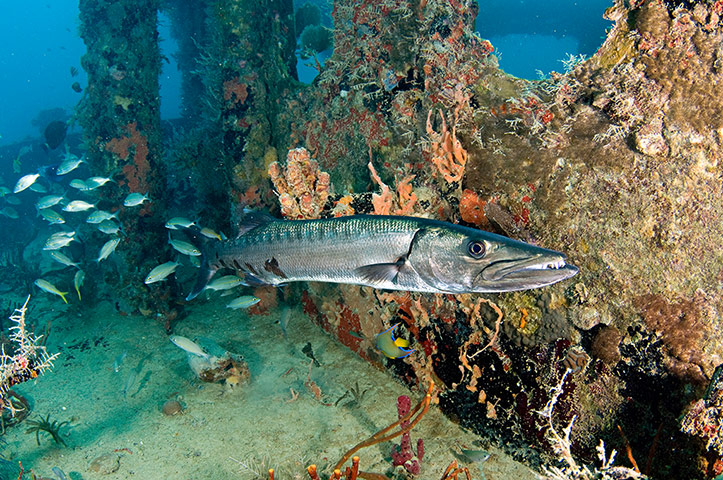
(471, 208)
(235, 91)
(403, 454)
(138, 171)
(348, 322)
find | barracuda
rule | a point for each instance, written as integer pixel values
(386, 252)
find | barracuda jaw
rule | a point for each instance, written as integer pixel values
(524, 273)
(555, 264)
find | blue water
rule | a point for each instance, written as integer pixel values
(532, 36)
(39, 43)
(35, 57)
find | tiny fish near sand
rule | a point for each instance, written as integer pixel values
(188, 345)
(118, 361)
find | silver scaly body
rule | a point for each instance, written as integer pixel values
(387, 252)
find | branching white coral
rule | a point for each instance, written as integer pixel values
(562, 446)
(28, 360)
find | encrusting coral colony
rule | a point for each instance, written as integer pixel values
(615, 161)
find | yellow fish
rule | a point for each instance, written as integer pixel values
(78, 281)
(390, 346)
(50, 288)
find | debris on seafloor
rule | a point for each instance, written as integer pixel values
(211, 363)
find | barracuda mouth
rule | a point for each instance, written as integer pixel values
(528, 272)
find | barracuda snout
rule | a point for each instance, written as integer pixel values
(460, 259)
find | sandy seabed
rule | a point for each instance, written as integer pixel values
(223, 432)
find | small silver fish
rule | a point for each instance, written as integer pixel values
(9, 212)
(134, 199)
(49, 201)
(99, 216)
(78, 184)
(12, 200)
(118, 361)
(70, 163)
(94, 182)
(38, 188)
(108, 248)
(243, 302)
(179, 222)
(184, 247)
(51, 216)
(60, 257)
(25, 182)
(109, 227)
(78, 206)
(188, 345)
(225, 283)
(58, 240)
(160, 272)
(63, 233)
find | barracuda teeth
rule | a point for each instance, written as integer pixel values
(556, 264)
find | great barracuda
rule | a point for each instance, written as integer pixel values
(387, 252)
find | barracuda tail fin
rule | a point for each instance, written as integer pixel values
(204, 276)
(206, 271)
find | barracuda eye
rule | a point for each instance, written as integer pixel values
(476, 249)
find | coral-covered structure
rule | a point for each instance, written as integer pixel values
(120, 116)
(614, 161)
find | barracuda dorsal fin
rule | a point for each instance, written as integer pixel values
(251, 220)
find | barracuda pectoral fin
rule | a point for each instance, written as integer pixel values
(380, 273)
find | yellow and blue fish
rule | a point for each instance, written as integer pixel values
(390, 346)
